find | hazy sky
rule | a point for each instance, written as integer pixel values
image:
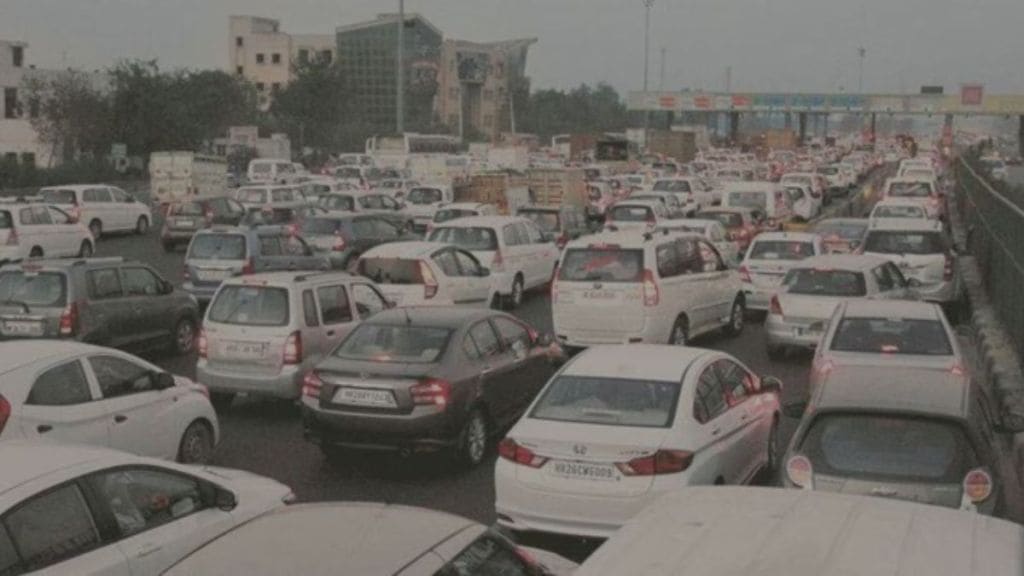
(780, 45)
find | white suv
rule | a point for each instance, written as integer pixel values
(100, 207)
(624, 287)
(38, 231)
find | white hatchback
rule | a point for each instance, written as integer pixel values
(638, 215)
(770, 256)
(41, 231)
(71, 392)
(619, 426)
(100, 207)
(428, 274)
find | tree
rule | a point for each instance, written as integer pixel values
(581, 110)
(70, 115)
(314, 108)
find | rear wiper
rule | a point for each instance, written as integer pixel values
(24, 306)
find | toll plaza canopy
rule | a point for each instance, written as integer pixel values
(970, 101)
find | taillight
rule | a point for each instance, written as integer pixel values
(774, 307)
(977, 485)
(800, 472)
(429, 281)
(661, 462)
(957, 369)
(947, 268)
(745, 274)
(209, 218)
(513, 452)
(12, 237)
(5, 412)
(498, 263)
(185, 274)
(554, 285)
(248, 267)
(69, 320)
(826, 368)
(339, 242)
(201, 343)
(651, 293)
(431, 392)
(562, 240)
(311, 385)
(293, 348)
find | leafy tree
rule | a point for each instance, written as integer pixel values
(314, 108)
(69, 114)
(580, 110)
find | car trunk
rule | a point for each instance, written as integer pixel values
(876, 358)
(926, 268)
(257, 350)
(602, 307)
(31, 303)
(805, 309)
(382, 387)
(940, 494)
(768, 273)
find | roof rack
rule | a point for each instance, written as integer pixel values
(104, 260)
(311, 275)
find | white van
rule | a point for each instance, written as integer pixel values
(271, 171)
(41, 231)
(101, 207)
(768, 198)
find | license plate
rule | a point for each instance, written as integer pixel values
(185, 222)
(584, 471)
(22, 328)
(215, 274)
(365, 397)
(599, 294)
(245, 350)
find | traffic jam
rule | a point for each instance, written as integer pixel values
(381, 312)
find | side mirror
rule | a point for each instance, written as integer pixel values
(771, 384)
(163, 380)
(544, 340)
(484, 272)
(225, 500)
(794, 409)
(166, 287)
(389, 304)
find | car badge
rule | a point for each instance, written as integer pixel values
(579, 449)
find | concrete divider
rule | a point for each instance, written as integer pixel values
(856, 205)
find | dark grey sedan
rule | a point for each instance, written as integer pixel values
(426, 379)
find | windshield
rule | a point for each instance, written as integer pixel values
(424, 196)
(817, 282)
(58, 196)
(748, 199)
(391, 270)
(780, 250)
(828, 170)
(631, 213)
(446, 214)
(846, 231)
(250, 306)
(892, 336)
(601, 265)
(252, 196)
(672, 186)
(320, 226)
(402, 344)
(608, 401)
(473, 239)
(910, 189)
(48, 289)
(217, 247)
(187, 209)
(899, 242)
(728, 219)
(545, 219)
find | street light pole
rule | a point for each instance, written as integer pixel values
(399, 73)
(861, 52)
(647, 53)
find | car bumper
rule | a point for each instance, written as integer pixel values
(423, 430)
(202, 293)
(177, 235)
(757, 298)
(285, 384)
(942, 292)
(782, 333)
(579, 338)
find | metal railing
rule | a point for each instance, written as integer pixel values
(995, 237)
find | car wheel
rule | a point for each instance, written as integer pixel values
(85, 250)
(96, 228)
(184, 336)
(221, 400)
(680, 332)
(36, 252)
(776, 352)
(141, 226)
(735, 326)
(196, 444)
(515, 299)
(472, 447)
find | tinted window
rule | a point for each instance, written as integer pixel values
(899, 242)
(825, 282)
(631, 213)
(319, 227)
(488, 555)
(143, 498)
(334, 305)
(609, 401)
(472, 239)
(364, 228)
(468, 265)
(384, 229)
(217, 247)
(485, 339)
(44, 289)
(6, 222)
(447, 262)
(402, 343)
(898, 211)
(781, 250)
(892, 336)
(338, 202)
(63, 385)
(709, 400)
(424, 196)
(51, 528)
(758, 200)
(251, 196)
(910, 189)
(140, 282)
(668, 260)
(368, 301)
(187, 209)
(105, 283)
(545, 220)
(119, 377)
(58, 196)
(601, 265)
(309, 308)
(391, 270)
(734, 380)
(447, 214)
(96, 195)
(250, 306)
(672, 186)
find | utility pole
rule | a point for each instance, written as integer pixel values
(861, 53)
(728, 79)
(661, 80)
(647, 52)
(400, 72)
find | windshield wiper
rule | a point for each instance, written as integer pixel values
(24, 306)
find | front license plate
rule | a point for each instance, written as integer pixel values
(22, 328)
(365, 397)
(584, 471)
(245, 350)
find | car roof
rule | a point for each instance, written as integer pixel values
(897, 201)
(641, 202)
(794, 236)
(77, 187)
(17, 353)
(895, 389)
(65, 263)
(326, 538)
(38, 459)
(637, 361)
(481, 221)
(627, 238)
(732, 209)
(892, 309)
(908, 224)
(435, 316)
(414, 249)
(762, 186)
(859, 262)
(692, 223)
(911, 179)
(284, 279)
(861, 221)
(463, 206)
(695, 530)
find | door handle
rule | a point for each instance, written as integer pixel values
(486, 370)
(330, 332)
(716, 431)
(744, 417)
(120, 418)
(148, 549)
(43, 428)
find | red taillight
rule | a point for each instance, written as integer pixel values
(651, 293)
(201, 343)
(826, 368)
(339, 242)
(431, 392)
(311, 385)
(554, 285)
(800, 472)
(774, 307)
(293, 348)
(429, 281)
(12, 237)
(186, 274)
(977, 485)
(745, 274)
(947, 268)
(69, 320)
(498, 263)
(957, 369)
(248, 267)
(5, 412)
(661, 462)
(513, 452)
(562, 240)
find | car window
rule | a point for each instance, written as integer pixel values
(139, 282)
(896, 274)
(884, 278)
(143, 498)
(781, 250)
(62, 385)
(515, 336)
(447, 263)
(50, 528)
(509, 236)
(710, 261)
(294, 246)
(371, 202)
(41, 215)
(334, 304)
(10, 563)
(609, 401)
(472, 239)
(487, 555)
(309, 309)
(119, 377)
(96, 195)
(925, 337)
(468, 265)
(470, 349)
(368, 300)
(364, 228)
(250, 306)
(384, 229)
(26, 217)
(270, 246)
(485, 339)
(689, 257)
(668, 261)
(398, 343)
(709, 401)
(388, 203)
(734, 380)
(531, 231)
(104, 283)
(58, 216)
(825, 282)
(120, 195)
(602, 264)
(217, 247)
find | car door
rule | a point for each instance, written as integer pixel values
(67, 234)
(108, 320)
(752, 421)
(150, 315)
(158, 515)
(97, 204)
(337, 317)
(62, 406)
(271, 254)
(720, 427)
(539, 253)
(49, 236)
(301, 256)
(29, 235)
(452, 284)
(720, 290)
(142, 419)
(126, 207)
(476, 287)
(495, 370)
(531, 369)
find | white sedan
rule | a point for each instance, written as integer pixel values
(428, 274)
(84, 394)
(87, 511)
(621, 425)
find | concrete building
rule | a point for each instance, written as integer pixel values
(241, 137)
(18, 140)
(476, 84)
(259, 51)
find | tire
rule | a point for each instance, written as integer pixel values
(472, 447)
(36, 252)
(196, 446)
(680, 335)
(168, 246)
(776, 352)
(142, 226)
(771, 466)
(221, 401)
(736, 317)
(96, 227)
(85, 250)
(183, 339)
(515, 299)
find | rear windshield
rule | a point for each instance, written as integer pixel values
(900, 242)
(781, 250)
(891, 447)
(918, 173)
(631, 213)
(828, 170)
(892, 336)
(846, 231)
(609, 401)
(58, 196)
(347, 173)
(728, 219)
(187, 209)
(544, 219)
(5, 220)
(43, 289)
(825, 282)
(672, 186)
(601, 265)
(319, 226)
(252, 196)
(451, 214)
(400, 344)
(910, 189)
(890, 211)
(338, 202)
(472, 239)
(391, 270)
(217, 247)
(424, 196)
(260, 168)
(748, 199)
(250, 306)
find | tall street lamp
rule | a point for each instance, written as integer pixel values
(400, 76)
(647, 52)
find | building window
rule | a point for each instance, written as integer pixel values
(33, 108)
(303, 56)
(11, 157)
(488, 120)
(240, 70)
(275, 58)
(275, 88)
(17, 55)
(326, 56)
(260, 87)
(239, 41)
(261, 58)
(10, 103)
(28, 159)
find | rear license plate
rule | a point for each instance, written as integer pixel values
(215, 274)
(185, 223)
(22, 327)
(599, 294)
(584, 471)
(245, 350)
(365, 397)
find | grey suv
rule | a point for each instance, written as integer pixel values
(106, 301)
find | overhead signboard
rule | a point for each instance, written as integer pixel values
(971, 100)
(972, 94)
(931, 90)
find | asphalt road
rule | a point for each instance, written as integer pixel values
(266, 437)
